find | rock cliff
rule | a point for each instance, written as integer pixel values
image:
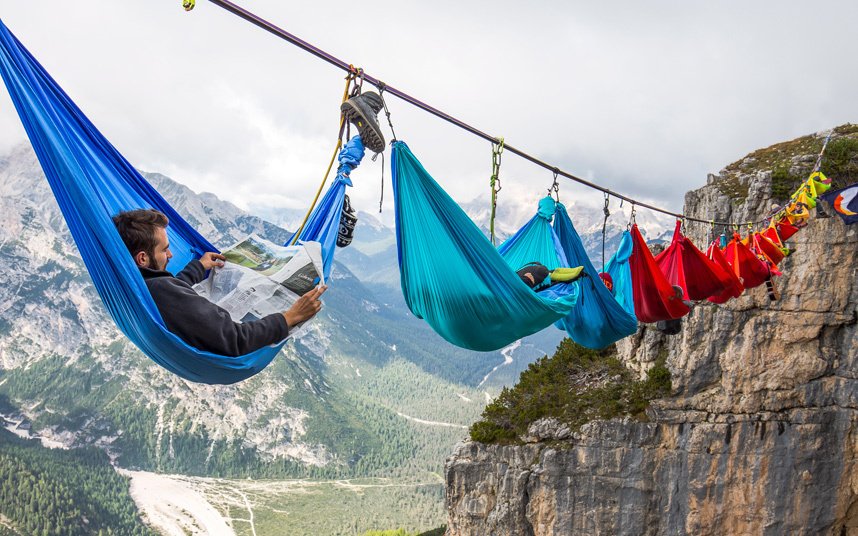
(760, 435)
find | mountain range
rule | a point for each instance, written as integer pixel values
(69, 374)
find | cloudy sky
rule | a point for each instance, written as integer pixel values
(643, 97)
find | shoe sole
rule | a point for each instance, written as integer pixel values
(369, 130)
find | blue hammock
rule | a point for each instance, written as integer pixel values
(92, 181)
(324, 223)
(599, 319)
(620, 270)
(452, 276)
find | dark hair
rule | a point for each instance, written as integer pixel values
(137, 229)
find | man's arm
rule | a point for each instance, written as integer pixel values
(305, 307)
(205, 326)
(195, 271)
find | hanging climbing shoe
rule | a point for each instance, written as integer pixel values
(361, 110)
(347, 224)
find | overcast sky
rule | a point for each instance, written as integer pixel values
(643, 97)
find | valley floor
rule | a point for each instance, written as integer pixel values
(181, 505)
(175, 505)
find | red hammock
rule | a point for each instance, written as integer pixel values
(771, 233)
(762, 245)
(654, 297)
(733, 287)
(751, 270)
(786, 229)
(686, 266)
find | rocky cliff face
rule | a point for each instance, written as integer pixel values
(759, 437)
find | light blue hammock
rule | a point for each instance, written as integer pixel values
(601, 318)
(536, 241)
(92, 181)
(452, 276)
(620, 270)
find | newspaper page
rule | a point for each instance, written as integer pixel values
(260, 278)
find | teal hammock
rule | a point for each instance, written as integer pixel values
(453, 277)
(536, 241)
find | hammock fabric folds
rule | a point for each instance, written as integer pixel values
(655, 298)
(732, 285)
(766, 247)
(452, 276)
(748, 268)
(688, 267)
(92, 181)
(600, 318)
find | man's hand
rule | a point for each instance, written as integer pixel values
(211, 260)
(306, 307)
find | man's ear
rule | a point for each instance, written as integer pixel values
(142, 259)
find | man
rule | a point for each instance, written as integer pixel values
(199, 322)
(538, 277)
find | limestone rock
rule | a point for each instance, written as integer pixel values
(547, 430)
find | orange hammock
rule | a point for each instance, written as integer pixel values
(748, 267)
(732, 285)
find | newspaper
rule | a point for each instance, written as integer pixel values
(260, 278)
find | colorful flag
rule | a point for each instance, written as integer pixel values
(844, 202)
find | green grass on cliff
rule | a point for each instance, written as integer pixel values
(839, 163)
(576, 385)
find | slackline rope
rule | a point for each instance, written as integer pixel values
(319, 53)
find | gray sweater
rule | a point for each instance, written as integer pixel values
(202, 324)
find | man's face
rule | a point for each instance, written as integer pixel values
(162, 254)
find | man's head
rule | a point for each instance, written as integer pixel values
(144, 232)
(533, 274)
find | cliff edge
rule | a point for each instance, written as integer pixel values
(760, 432)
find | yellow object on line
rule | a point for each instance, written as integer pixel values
(565, 275)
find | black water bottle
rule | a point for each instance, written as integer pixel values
(347, 224)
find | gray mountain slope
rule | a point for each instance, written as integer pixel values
(330, 404)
